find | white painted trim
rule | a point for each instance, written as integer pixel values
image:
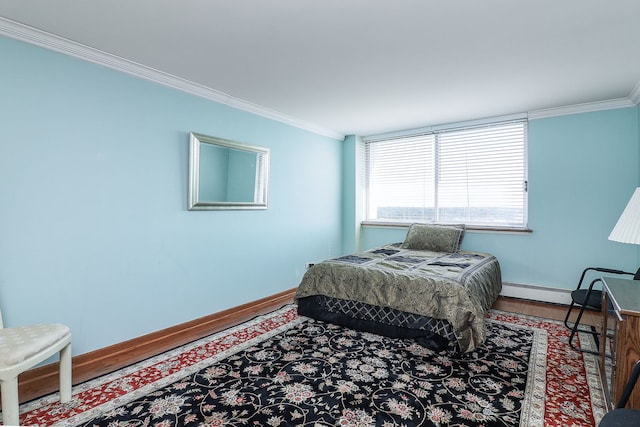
(536, 293)
(581, 108)
(634, 96)
(49, 41)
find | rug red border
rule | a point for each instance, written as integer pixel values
(573, 392)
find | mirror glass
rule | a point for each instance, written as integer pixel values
(226, 175)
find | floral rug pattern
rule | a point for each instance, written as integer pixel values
(574, 392)
(285, 370)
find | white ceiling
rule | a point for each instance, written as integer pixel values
(360, 66)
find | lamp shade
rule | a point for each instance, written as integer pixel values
(627, 229)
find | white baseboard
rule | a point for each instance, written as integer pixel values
(536, 293)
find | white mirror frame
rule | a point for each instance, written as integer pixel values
(261, 184)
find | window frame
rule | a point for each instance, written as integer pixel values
(436, 132)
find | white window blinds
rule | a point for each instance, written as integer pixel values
(475, 176)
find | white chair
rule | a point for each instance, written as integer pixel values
(22, 348)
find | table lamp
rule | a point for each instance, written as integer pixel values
(627, 229)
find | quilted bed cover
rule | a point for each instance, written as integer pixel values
(458, 287)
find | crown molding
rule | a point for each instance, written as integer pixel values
(68, 47)
(49, 41)
(581, 108)
(634, 96)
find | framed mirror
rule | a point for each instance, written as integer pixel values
(226, 175)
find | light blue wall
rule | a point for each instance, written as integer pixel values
(352, 191)
(583, 169)
(94, 230)
(94, 227)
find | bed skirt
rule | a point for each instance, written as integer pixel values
(435, 334)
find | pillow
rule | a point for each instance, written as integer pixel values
(436, 238)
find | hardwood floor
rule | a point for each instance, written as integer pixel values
(43, 380)
(544, 309)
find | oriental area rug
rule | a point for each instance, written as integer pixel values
(282, 369)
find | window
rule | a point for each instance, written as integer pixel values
(473, 175)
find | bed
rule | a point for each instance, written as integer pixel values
(424, 288)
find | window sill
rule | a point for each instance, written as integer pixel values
(471, 228)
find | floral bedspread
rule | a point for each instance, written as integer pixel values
(459, 287)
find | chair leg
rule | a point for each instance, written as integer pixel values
(10, 405)
(575, 330)
(566, 318)
(572, 325)
(65, 373)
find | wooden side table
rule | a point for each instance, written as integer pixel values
(620, 350)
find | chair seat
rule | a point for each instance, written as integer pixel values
(19, 343)
(621, 418)
(594, 301)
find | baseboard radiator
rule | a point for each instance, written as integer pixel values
(44, 380)
(536, 293)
